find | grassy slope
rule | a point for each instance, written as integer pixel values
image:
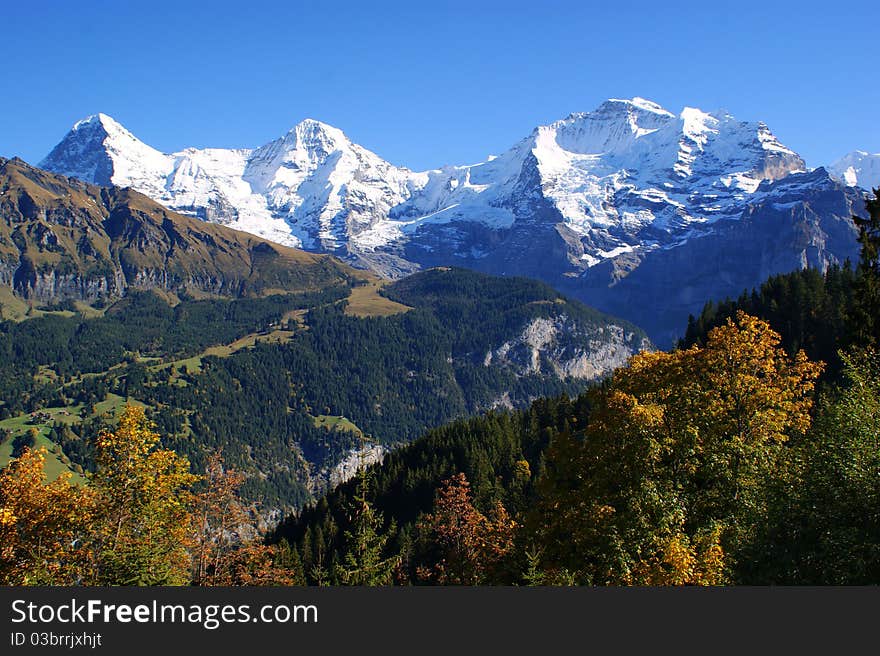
(336, 423)
(66, 415)
(194, 364)
(11, 307)
(365, 301)
(56, 463)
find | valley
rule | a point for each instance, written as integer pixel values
(286, 384)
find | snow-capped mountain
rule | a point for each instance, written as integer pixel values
(299, 190)
(612, 175)
(629, 175)
(858, 169)
(580, 203)
(326, 188)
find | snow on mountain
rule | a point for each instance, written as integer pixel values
(326, 187)
(626, 176)
(98, 149)
(209, 184)
(655, 168)
(610, 174)
(858, 169)
(632, 208)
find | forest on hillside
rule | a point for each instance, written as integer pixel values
(285, 385)
(747, 455)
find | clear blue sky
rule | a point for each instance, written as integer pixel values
(430, 83)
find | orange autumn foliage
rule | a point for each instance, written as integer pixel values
(226, 550)
(469, 546)
(136, 522)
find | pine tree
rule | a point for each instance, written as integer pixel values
(865, 322)
(533, 576)
(288, 558)
(364, 563)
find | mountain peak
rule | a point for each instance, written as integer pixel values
(82, 153)
(636, 102)
(313, 129)
(612, 127)
(306, 146)
(315, 125)
(313, 135)
(104, 120)
(859, 168)
(100, 150)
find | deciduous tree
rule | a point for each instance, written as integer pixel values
(466, 546)
(226, 549)
(42, 524)
(142, 535)
(668, 474)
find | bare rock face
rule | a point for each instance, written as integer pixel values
(48, 285)
(562, 347)
(349, 466)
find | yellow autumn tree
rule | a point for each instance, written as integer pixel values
(42, 524)
(670, 467)
(143, 528)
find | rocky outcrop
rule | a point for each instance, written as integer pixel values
(348, 466)
(566, 348)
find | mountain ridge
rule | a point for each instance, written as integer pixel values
(580, 203)
(333, 194)
(63, 238)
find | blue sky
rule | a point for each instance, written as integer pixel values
(427, 84)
